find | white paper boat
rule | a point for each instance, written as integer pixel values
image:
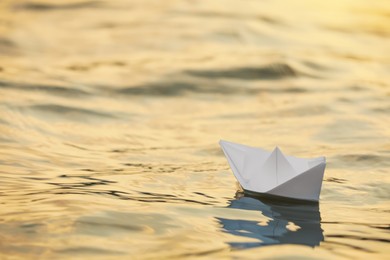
(274, 173)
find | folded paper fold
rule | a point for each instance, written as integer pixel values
(275, 173)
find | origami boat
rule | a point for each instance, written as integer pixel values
(273, 173)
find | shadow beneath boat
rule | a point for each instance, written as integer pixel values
(290, 222)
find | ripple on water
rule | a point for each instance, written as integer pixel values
(272, 71)
(360, 161)
(41, 7)
(223, 82)
(181, 88)
(61, 112)
(68, 91)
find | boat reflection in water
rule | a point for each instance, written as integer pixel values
(290, 222)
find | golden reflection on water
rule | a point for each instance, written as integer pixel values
(111, 111)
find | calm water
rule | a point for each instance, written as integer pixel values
(111, 113)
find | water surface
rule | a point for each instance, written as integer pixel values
(111, 113)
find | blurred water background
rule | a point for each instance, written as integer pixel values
(111, 113)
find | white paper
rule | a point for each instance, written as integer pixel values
(275, 173)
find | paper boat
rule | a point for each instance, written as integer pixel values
(273, 173)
